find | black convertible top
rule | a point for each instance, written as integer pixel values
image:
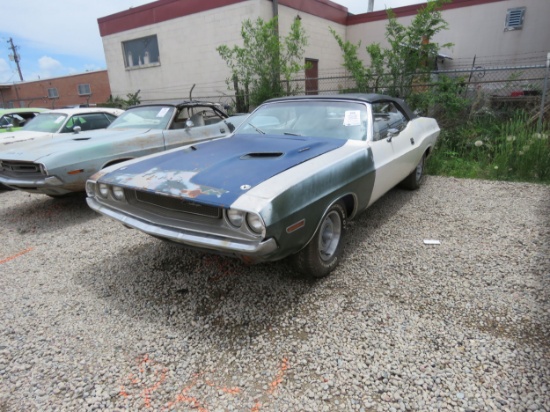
(361, 97)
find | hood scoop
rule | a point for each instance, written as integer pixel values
(261, 155)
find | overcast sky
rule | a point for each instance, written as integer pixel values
(60, 37)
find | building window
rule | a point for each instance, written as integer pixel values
(514, 19)
(141, 52)
(84, 90)
(52, 93)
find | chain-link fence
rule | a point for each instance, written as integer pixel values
(487, 87)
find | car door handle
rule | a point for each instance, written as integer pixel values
(412, 140)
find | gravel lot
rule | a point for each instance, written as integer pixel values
(97, 317)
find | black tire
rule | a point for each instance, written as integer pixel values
(4, 188)
(414, 180)
(323, 252)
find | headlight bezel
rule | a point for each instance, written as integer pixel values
(245, 221)
(235, 217)
(103, 190)
(120, 197)
(255, 223)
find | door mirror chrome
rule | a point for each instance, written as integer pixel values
(77, 129)
(391, 134)
(189, 124)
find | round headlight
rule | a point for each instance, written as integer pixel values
(255, 223)
(103, 190)
(236, 217)
(118, 193)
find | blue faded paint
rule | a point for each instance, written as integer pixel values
(225, 168)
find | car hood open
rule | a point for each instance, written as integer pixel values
(219, 171)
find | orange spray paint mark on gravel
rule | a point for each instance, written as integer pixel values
(151, 375)
(182, 397)
(280, 375)
(159, 375)
(16, 255)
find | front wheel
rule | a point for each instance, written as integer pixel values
(323, 252)
(414, 180)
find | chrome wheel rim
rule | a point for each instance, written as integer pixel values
(330, 234)
(420, 170)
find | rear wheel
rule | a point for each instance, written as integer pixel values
(414, 180)
(323, 252)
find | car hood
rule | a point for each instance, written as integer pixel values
(219, 171)
(17, 136)
(38, 149)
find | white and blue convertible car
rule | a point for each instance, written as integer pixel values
(282, 185)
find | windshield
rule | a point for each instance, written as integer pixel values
(313, 118)
(46, 122)
(147, 117)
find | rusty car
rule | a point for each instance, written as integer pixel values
(61, 164)
(284, 184)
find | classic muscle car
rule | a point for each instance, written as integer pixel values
(60, 165)
(283, 185)
(56, 122)
(15, 119)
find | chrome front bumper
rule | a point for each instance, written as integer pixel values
(258, 251)
(49, 185)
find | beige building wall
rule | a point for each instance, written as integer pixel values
(187, 49)
(478, 31)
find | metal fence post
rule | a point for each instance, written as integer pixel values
(543, 99)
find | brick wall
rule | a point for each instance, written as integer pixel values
(35, 93)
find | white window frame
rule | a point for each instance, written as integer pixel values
(84, 89)
(52, 93)
(514, 19)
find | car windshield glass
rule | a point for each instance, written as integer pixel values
(330, 118)
(147, 117)
(46, 122)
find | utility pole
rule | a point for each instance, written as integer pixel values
(15, 56)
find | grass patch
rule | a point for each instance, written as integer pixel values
(491, 148)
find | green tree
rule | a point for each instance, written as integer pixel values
(407, 61)
(264, 59)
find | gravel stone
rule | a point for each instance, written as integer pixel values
(98, 317)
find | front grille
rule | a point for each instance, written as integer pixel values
(174, 204)
(19, 169)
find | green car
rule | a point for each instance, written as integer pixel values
(15, 119)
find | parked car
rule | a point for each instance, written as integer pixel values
(54, 123)
(15, 119)
(61, 165)
(284, 184)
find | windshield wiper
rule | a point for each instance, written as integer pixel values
(257, 128)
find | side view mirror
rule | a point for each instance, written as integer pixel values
(77, 129)
(391, 134)
(230, 126)
(189, 123)
(8, 126)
